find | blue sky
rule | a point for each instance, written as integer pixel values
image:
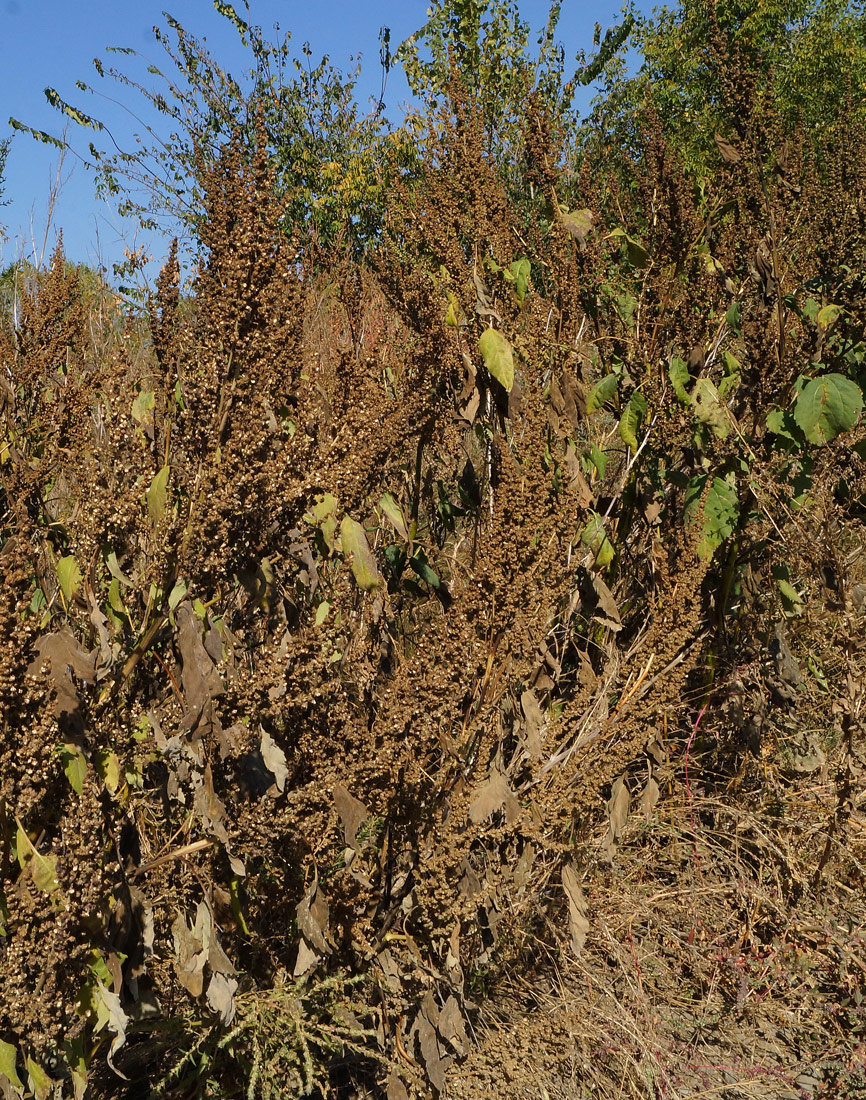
(53, 43)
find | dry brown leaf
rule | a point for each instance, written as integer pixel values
(607, 603)
(451, 1026)
(396, 1090)
(649, 798)
(353, 814)
(534, 716)
(578, 919)
(435, 1064)
(493, 795)
(220, 997)
(313, 917)
(306, 960)
(274, 759)
(617, 812)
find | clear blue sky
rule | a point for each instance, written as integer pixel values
(54, 42)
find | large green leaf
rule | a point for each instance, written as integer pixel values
(496, 352)
(828, 406)
(394, 513)
(357, 549)
(40, 1082)
(631, 418)
(680, 378)
(602, 392)
(717, 520)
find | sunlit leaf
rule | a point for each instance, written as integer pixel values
(394, 514)
(678, 372)
(496, 352)
(74, 766)
(357, 550)
(43, 869)
(39, 1081)
(156, 494)
(595, 537)
(8, 1058)
(828, 406)
(719, 516)
(68, 576)
(107, 767)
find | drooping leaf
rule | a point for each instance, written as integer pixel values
(518, 273)
(497, 356)
(578, 918)
(678, 372)
(595, 537)
(142, 408)
(275, 760)
(828, 406)
(39, 1081)
(353, 813)
(617, 813)
(322, 612)
(602, 392)
(576, 222)
(361, 559)
(631, 418)
(68, 576)
(156, 494)
(43, 869)
(394, 513)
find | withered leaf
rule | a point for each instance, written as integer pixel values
(396, 1090)
(534, 721)
(357, 550)
(313, 917)
(728, 153)
(190, 957)
(274, 759)
(353, 813)
(306, 960)
(493, 795)
(577, 911)
(607, 603)
(577, 483)
(617, 812)
(221, 997)
(435, 1064)
(650, 796)
(451, 1026)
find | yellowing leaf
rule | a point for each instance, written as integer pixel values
(43, 869)
(828, 315)
(595, 537)
(8, 1057)
(68, 577)
(156, 495)
(108, 769)
(357, 550)
(496, 352)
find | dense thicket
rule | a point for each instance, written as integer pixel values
(431, 642)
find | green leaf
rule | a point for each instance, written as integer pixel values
(599, 459)
(828, 406)
(68, 577)
(602, 392)
(43, 869)
(39, 1081)
(394, 513)
(74, 766)
(518, 273)
(637, 254)
(115, 570)
(496, 352)
(631, 418)
(577, 222)
(791, 597)
(680, 378)
(177, 594)
(322, 612)
(718, 518)
(107, 767)
(8, 1058)
(418, 564)
(156, 494)
(595, 537)
(357, 549)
